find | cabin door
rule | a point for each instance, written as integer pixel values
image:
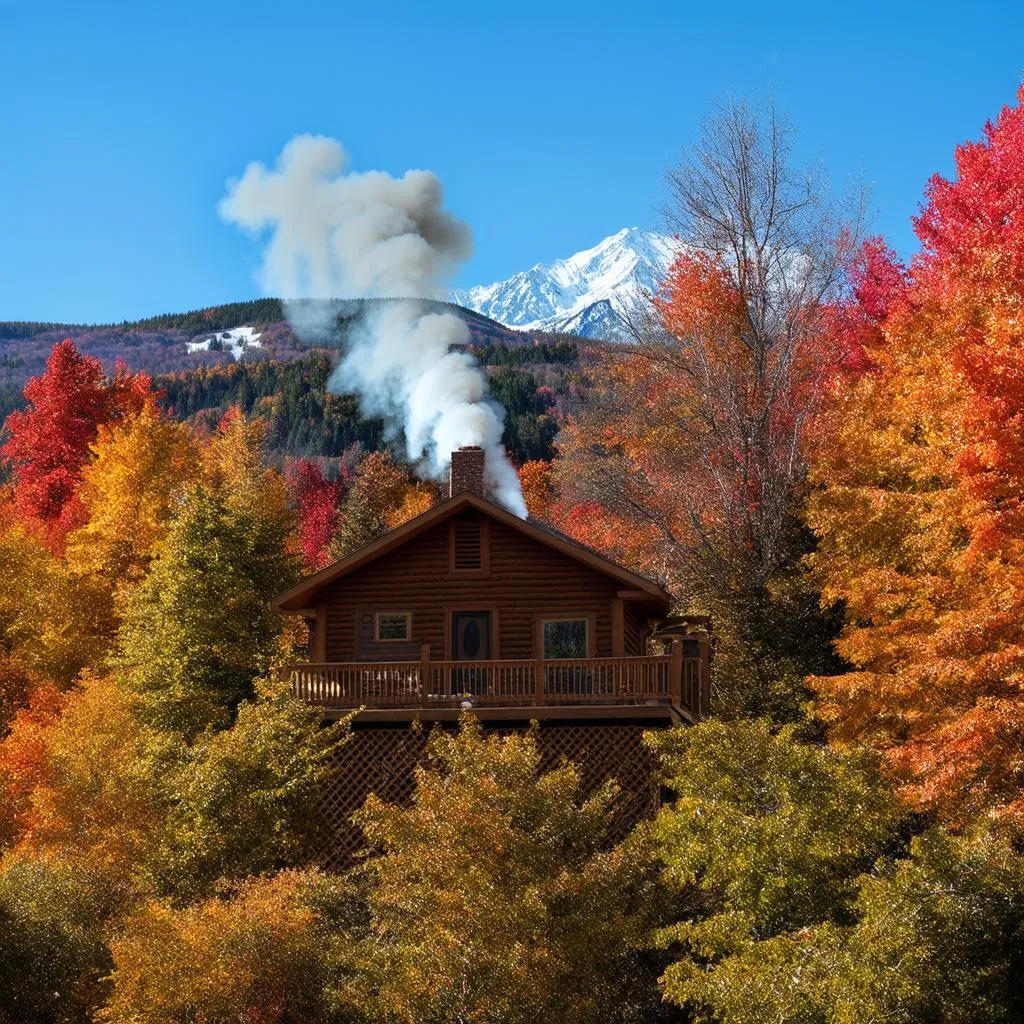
(471, 641)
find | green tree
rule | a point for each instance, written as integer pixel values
(804, 898)
(244, 799)
(496, 896)
(940, 936)
(766, 836)
(198, 630)
(53, 956)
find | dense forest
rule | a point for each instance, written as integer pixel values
(180, 342)
(820, 451)
(305, 419)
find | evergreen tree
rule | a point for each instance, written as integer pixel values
(198, 631)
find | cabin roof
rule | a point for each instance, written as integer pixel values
(303, 596)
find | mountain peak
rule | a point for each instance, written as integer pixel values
(585, 293)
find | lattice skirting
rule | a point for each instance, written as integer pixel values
(382, 760)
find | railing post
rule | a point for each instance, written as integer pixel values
(704, 682)
(538, 668)
(425, 680)
(677, 673)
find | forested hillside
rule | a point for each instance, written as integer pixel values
(530, 372)
(178, 342)
(531, 382)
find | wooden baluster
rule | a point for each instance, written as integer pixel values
(425, 673)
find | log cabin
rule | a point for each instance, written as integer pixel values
(468, 607)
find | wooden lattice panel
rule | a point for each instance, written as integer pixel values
(383, 759)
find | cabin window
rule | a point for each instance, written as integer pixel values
(467, 547)
(565, 638)
(392, 626)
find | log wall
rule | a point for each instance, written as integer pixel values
(523, 581)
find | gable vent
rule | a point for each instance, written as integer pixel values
(468, 547)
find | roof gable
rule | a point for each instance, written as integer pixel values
(303, 595)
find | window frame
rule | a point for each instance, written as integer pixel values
(378, 639)
(584, 617)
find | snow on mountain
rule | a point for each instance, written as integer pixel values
(584, 294)
(236, 341)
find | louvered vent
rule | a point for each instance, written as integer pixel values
(468, 547)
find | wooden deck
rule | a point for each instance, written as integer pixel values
(671, 680)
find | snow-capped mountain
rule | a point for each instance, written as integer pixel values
(584, 294)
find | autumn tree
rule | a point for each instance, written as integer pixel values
(51, 622)
(243, 801)
(504, 881)
(236, 468)
(687, 459)
(766, 836)
(91, 794)
(135, 483)
(918, 510)
(266, 953)
(316, 499)
(198, 630)
(49, 442)
(24, 760)
(379, 488)
(53, 953)
(94, 774)
(538, 488)
(418, 497)
(81, 816)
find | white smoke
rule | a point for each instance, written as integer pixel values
(337, 234)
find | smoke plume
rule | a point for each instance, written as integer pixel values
(337, 234)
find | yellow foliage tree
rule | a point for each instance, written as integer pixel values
(418, 498)
(130, 490)
(95, 798)
(50, 623)
(235, 466)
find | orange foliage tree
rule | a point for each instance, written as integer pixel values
(921, 502)
(538, 488)
(264, 956)
(687, 460)
(381, 497)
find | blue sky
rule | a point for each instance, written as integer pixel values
(551, 124)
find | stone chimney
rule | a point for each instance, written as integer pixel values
(467, 471)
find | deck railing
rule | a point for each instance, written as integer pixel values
(658, 679)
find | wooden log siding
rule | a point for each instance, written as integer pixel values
(523, 581)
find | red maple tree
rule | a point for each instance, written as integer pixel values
(49, 442)
(316, 499)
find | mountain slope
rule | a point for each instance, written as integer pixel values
(180, 342)
(584, 294)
